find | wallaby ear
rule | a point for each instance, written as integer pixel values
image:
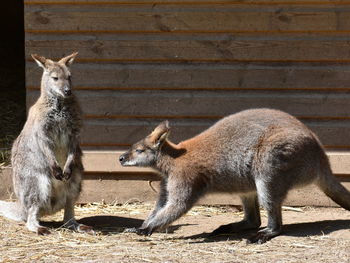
(160, 133)
(68, 60)
(39, 60)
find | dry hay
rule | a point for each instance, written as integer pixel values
(185, 244)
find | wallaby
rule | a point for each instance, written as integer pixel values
(259, 154)
(46, 156)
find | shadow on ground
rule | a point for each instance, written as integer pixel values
(104, 224)
(324, 227)
(115, 224)
(110, 224)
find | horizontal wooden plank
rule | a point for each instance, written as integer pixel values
(223, 18)
(195, 50)
(108, 162)
(202, 76)
(118, 191)
(124, 132)
(109, 188)
(188, 2)
(179, 104)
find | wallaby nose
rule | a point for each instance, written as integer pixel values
(121, 158)
(67, 91)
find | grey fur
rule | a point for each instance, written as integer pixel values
(46, 156)
(259, 154)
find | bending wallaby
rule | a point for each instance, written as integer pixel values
(46, 156)
(260, 154)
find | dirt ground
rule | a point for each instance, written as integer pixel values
(310, 235)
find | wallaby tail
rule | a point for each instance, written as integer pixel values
(11, 210)
(330, 185)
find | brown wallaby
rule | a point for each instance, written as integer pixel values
(259, 154)
(46, 156)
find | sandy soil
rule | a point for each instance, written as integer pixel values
(310, 235)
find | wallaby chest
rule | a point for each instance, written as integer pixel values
(62, 125)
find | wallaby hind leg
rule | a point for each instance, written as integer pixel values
(251, 218)
(69, 219)
(33, 222)
(272, 203)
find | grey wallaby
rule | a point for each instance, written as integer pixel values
(46, 156)
(260, 154)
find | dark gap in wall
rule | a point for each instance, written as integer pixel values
(12, 75)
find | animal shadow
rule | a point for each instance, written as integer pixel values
(111, 224)
(102, 224)
(324, 227)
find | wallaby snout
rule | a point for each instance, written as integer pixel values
(123, 158)
(67, 91)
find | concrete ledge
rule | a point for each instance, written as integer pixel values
(105, 180)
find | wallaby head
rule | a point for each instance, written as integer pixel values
(144, 153)
(56, 78)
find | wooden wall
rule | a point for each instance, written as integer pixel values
(193, 62)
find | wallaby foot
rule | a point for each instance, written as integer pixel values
(43, 231)
(130, 230)
(144, 231)
(36, 228)
(251, 217)
(86, 229)
(33, 222)
(264, 235)
(72, 224)
(140, 231)
(234, 228)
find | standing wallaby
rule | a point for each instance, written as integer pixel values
(46, 156)
(260, 154)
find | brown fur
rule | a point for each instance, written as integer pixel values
(259, 154)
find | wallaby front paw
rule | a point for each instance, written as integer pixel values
(57, 172)
(67, 173)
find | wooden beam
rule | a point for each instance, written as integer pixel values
(105, 180)
(107, 162)
(144, 187)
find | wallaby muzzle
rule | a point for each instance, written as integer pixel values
(67, 91)
(122, 159)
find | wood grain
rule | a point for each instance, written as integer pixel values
(207, 104)
(123, 132)
(117, 19)
(243, 76)
(193, 62)
(202, 49)
(108, 162)
(189, 2)
(115, 189)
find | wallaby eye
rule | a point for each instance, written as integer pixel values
(55, 78)
(139, 150)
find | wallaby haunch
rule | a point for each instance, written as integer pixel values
(260, 154)
(46, 156)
